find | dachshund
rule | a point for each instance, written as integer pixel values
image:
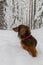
(28, 42)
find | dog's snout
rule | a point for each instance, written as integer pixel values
(13, 28)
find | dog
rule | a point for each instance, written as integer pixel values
(28, 42)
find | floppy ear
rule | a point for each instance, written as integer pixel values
(15, 29)
(28, 28)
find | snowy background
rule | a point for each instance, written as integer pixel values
(16, 12)
(11, 52)
(12, 14)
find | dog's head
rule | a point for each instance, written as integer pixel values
(22, 30)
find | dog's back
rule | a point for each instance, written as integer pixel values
(28, 42)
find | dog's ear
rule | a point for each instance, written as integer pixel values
(15, 29)
(28, 28)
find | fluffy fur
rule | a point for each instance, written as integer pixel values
(28, 42)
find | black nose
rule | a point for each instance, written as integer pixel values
(13, 28)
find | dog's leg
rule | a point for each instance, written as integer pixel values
(33, 51)
(30, 49)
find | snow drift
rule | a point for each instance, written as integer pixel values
(11, 52)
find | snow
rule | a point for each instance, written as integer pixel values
(11, 52)
(12, 12)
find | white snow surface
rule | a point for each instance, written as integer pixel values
(11, 52)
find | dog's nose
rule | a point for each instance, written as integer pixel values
(13, 28)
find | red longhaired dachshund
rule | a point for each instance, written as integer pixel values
(28, 42)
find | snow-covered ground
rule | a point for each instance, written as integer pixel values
(11, 52)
